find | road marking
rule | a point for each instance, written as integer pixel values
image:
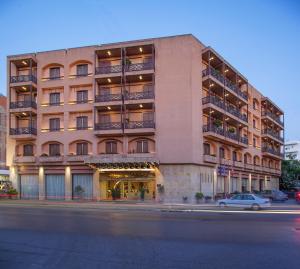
(291, 212)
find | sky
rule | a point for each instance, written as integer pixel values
(261, 38)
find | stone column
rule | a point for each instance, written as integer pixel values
(266, 183)
(215, 178)
(249, 182)
(229, 182)
(14, 178)
(96, 185)
(42, 187)
(240, 182)
(68, 183)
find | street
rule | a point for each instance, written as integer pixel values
(49, 237)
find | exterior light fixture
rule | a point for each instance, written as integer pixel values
(109, 80)
(108, 53)
(226, 70)
(239, 80)
(211, 112)
(141, 106)
(24, 114)
(211, 85)
(24, 88)
(141, 49)
(109, 108)
(226, 94)
(227, 119)
(140, 77)
(211, 58)
(23, 62)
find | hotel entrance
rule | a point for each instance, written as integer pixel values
(131, 185)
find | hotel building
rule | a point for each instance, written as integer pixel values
(167, 117)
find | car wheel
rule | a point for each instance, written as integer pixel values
(255, 207)
(222, 205)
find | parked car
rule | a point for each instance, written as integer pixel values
(291, 192)
(274, 195)
(245, 200)
(297, 197)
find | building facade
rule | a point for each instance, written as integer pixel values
(159, 119)
(292, 150)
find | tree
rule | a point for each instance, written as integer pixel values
(290, 173)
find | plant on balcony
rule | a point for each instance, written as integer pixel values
(218, 123)
(128, 61)
(199, 196)
(79, 192)
(231, 130)
(44, 155)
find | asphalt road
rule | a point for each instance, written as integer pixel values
(37, 237)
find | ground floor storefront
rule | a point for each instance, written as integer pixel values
(144, 182)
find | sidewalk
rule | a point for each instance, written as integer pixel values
(131, 205)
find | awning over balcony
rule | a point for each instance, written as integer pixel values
(122, 162)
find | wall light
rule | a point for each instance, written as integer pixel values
(24, 88)
(211, 85)
(23, 62)
(108, 52)
(109, 80)
(226, 70)
(141, 49)
(140, 77)
(141, 106)
(109, 108)
(211, 58)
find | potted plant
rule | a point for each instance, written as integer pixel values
(199, 196)
(231, 130)
(79, 191)
(218, 123)
(127, 62)
(12, 193)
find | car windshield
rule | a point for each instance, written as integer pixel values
(236, 197)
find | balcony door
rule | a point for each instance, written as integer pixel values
(105, 118)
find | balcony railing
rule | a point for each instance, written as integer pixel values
(108, 126)
(229, 108)
(223, 132)
(23, 131)
(140, 124)
(23, 78)
(272, 116)
(108, 97)
(139, 66)
(273, 134)
(272, 151)
(149, 94)
(108, 69)
(217, 75)
(22, 104)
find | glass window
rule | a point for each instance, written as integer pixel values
(237, 197)
(28, 150)
(82, 148)
(82, 70)
(82, 96)
(111, 147)
(222, 153)
(234, 156)
(54, 124)
(254, 142)
(54, 72)
(142, 146)
(206, 149)
(82, 122)
(54, 98)
(54, 149)
(248, 197)
(254, 123)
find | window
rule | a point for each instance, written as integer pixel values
(82, 70)
(82, 148)
(82, 96)
(82, 122)
(54, 124)
(254, 105)
(111, 147)
(254, 123)
(142, 146)
(206, 149)
(245, 159)
(148, 116)
(54, 73)
(54, 99)
(104, 91)
(222, 153)
(234, 156)
(105, 118)
(54, 150)
(28, 150)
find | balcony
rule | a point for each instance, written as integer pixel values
(273, 117)
(145, 127)
(225, 106)
(134, 67)
(22, 106)
(108, 128)
(269, 132)
(23, 132)
(223, 135)
(110, 69)
(149, 94)
(50, 159)
(23, 79)
(272, 152)
(24, 159)
(224, 81)
(108, 98)
(76, 158)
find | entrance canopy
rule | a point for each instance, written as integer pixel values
(122, 162)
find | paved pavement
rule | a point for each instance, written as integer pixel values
(55, 236)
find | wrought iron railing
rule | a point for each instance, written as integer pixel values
(108, 97)
(229, 108)
(273, 134)
(139, 124)
(22, 104)
(108, 126)
(22, 131)
(217, 75)
(108, 69)
(223, 132)
(273, 116)
(23, 78)
(139, 66)
(149, 94)
(273, 151)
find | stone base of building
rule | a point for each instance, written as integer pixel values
(169, 183)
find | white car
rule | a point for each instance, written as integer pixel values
(247, 200)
